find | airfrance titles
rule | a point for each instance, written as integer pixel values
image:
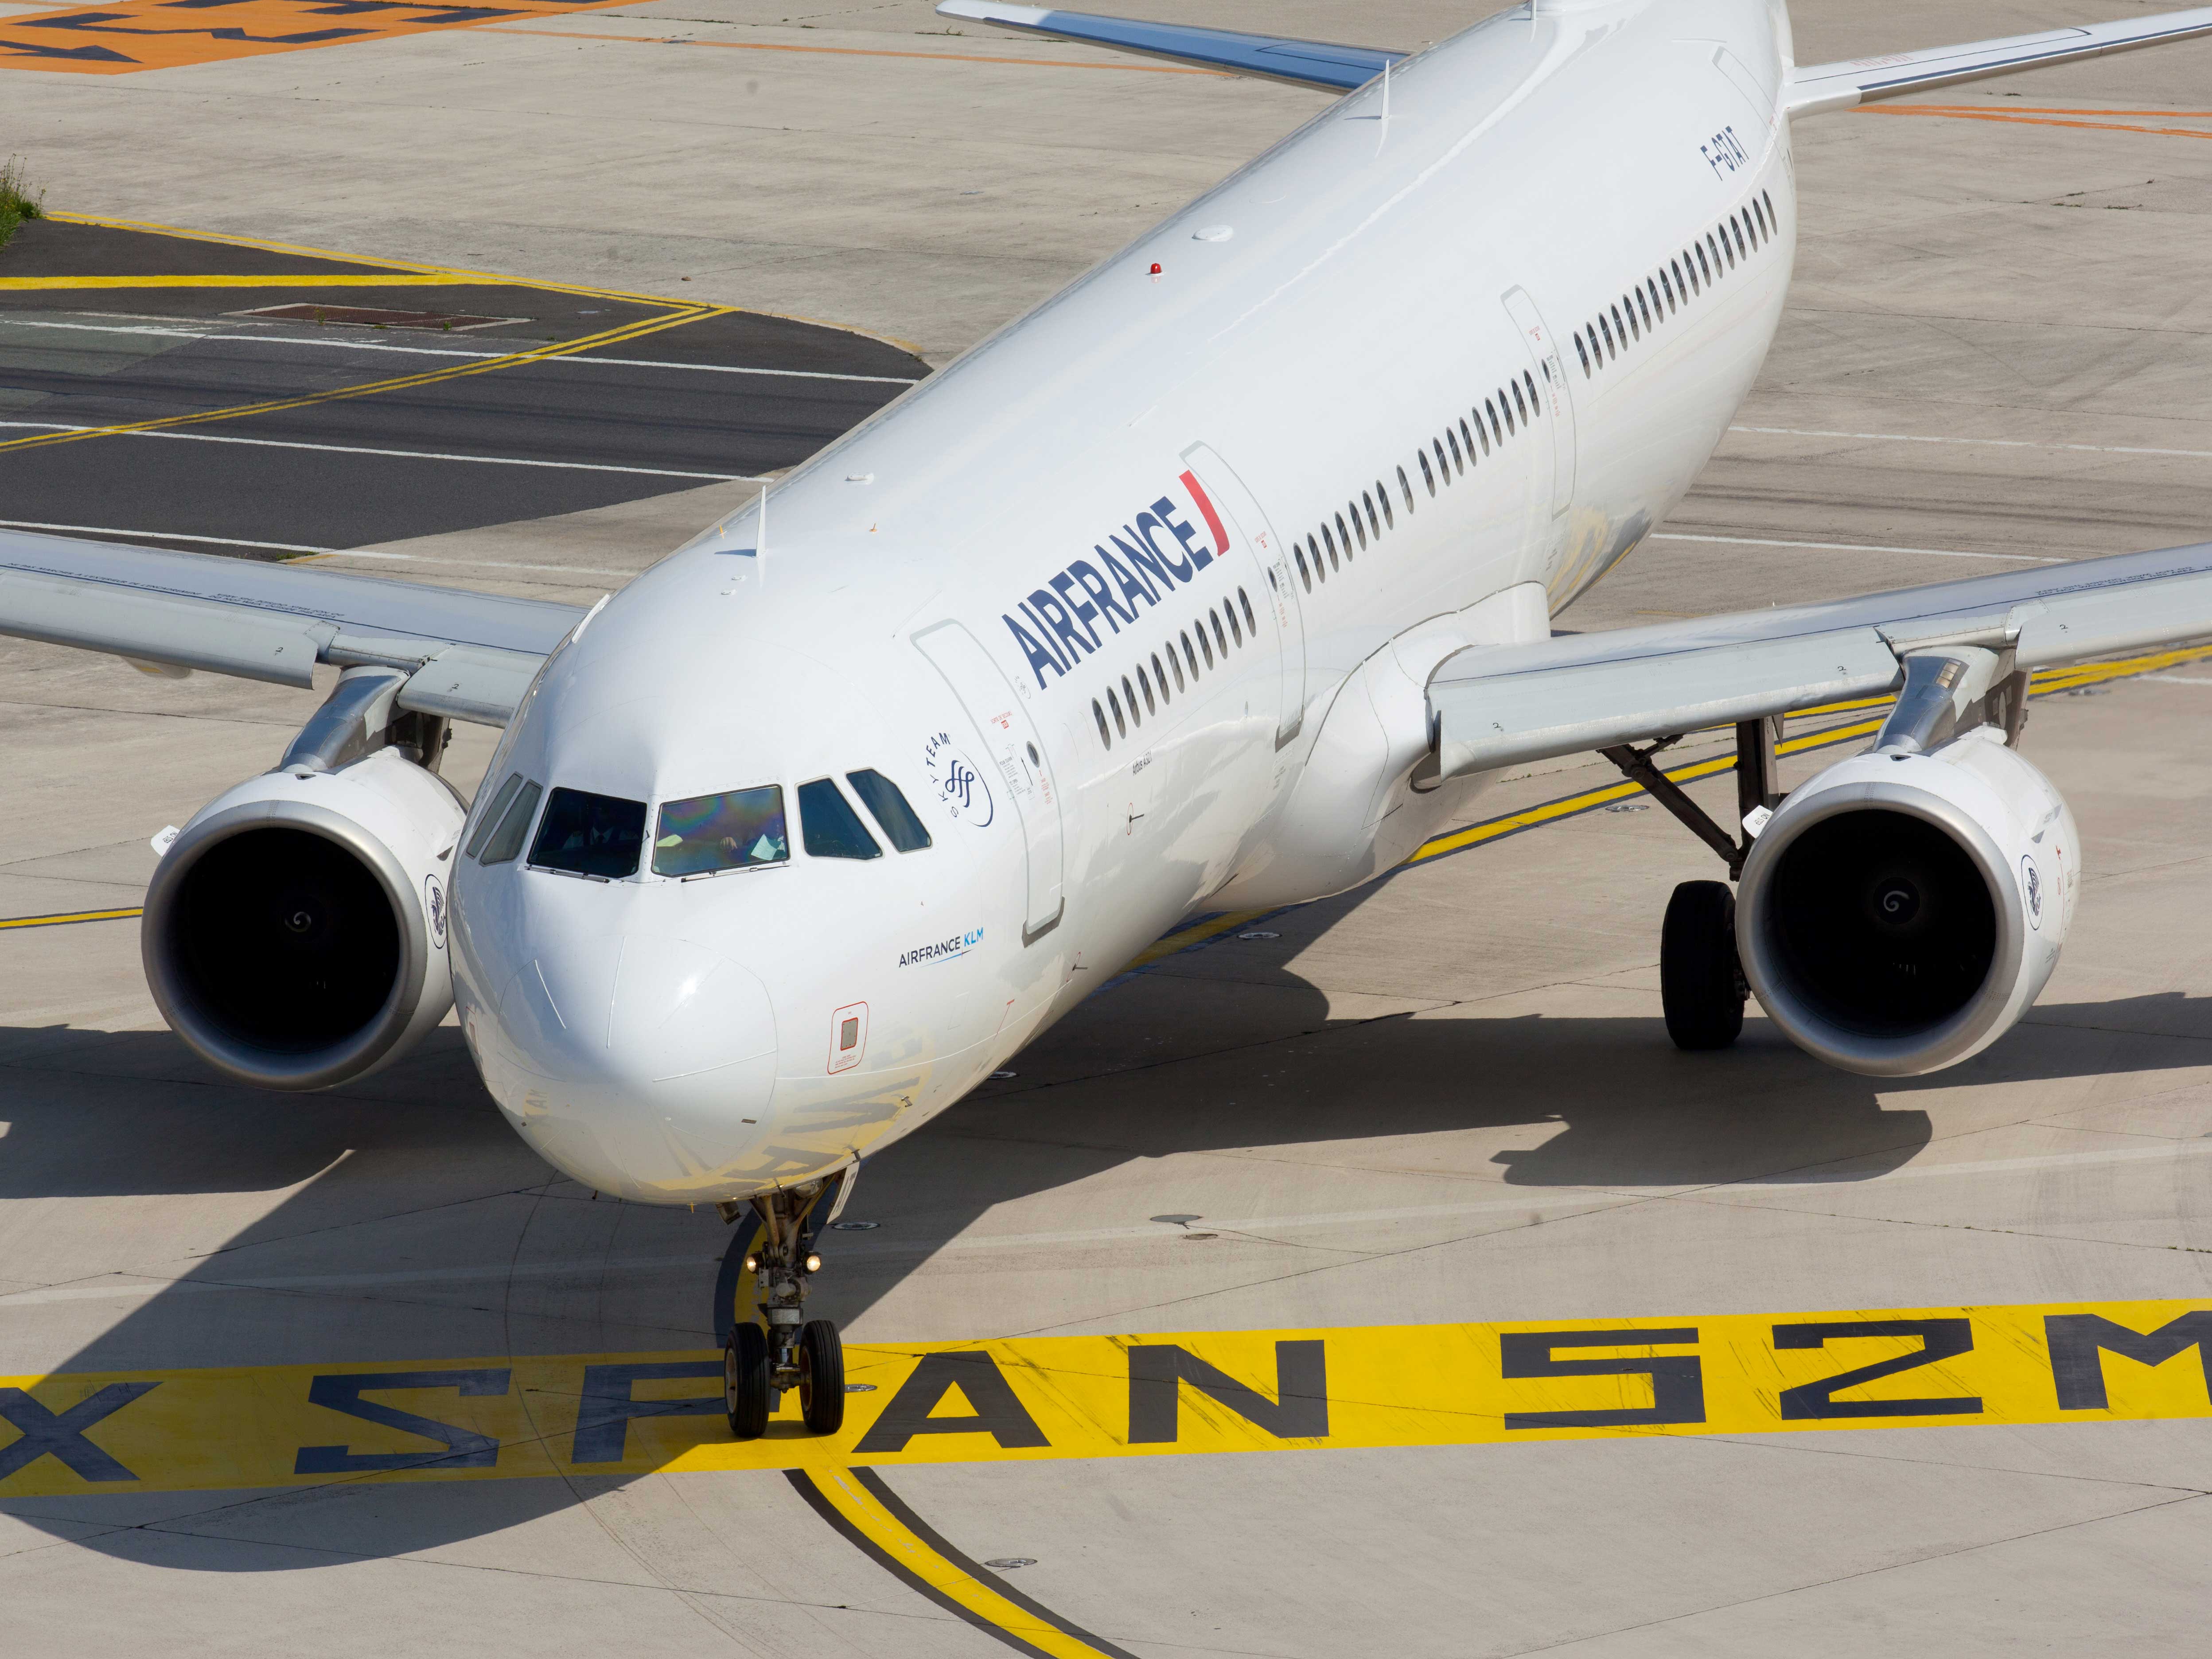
(1058, 622)
(958, 946)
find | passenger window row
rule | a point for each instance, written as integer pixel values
(1228, 634)
(602, 836)
(1501, 416)
(1621, 323)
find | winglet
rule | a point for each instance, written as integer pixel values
(1317, 64)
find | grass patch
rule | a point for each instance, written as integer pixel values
(18, 202)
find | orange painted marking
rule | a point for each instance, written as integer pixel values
(2088, 120)
(143, 34)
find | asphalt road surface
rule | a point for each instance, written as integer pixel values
(162, 409)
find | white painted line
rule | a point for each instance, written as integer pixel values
(1858, 547)
(1528, 1202)
(2177, 679)
(162, 536)
(322, 552)
(399, 454)
(446, 351)
(1985, 443)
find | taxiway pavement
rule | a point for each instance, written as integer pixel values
(1447, 1099)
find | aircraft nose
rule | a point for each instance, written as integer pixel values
(650, 1064)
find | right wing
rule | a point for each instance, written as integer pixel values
(1498, 706)
(1269, 57)
(467, 656)
(1816, 89)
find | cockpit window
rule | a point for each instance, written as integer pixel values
(830, 829)
(590, 834)
(507, 841)
(489, 821)
(882, 797)
(737, 830)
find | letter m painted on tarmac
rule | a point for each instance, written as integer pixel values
(42, 1433)
(2079, 1341)
(1158, 1372)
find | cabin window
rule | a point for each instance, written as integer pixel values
(1666, 288)
(1250, 622)
(1681, 294)
(1722, 259)
(1189, 655)
(1582, 352)
(1506, 408)
(1313, 547)
(736, 829)
(1443, 467)
(1205, 646)
(1358, 527)
(1428, 477)
(1773, 217)
(1121, 726)
(1603, 325)
(587, 834)
(1518, 404)
(883, 798)
(1382, 494)
(828, 828)
(1160, 674)
(1459, 462)
(1651, 291)
(1619, 328)
(1634, 332)
(1529, 380)
(1408, 488)
(1220, 635)
(1701, 265)
(1129, 696)
(514, 823)
(1105, 738)
(1636, 300)
(1144, 685)
(1305, 576)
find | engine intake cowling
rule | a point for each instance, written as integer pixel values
(1901, 911)
(295, 933)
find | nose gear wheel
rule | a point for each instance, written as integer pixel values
(774, 1347)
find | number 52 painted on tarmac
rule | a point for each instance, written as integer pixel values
(1112, 1396)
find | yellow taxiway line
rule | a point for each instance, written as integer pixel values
(311, 279)
(402, 383)
(857, 1503)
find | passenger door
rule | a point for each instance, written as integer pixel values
(1013, 749)
(1266, 548)
(1551, 373)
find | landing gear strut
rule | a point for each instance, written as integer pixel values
(1701, 983)
(784, 1349)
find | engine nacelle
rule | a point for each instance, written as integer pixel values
(295, 933)
(1901, 911)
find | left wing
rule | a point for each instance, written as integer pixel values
(467, 656)
(1496, 706)
(1823, 86)
(1296, 62)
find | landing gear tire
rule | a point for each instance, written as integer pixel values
(822, 1378)
(745, 1380)
(1701, 984)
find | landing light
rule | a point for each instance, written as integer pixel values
(813, 1264)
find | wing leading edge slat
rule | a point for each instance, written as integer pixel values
(470, 656)
(1821, 88)
(1497, 706)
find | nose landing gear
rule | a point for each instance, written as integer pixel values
(785, 1350)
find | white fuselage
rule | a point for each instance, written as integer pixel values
(1003, 592)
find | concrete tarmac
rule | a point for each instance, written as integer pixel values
(1446, 1099)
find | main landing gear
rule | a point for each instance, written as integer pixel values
(1701, 983)
(784, 1349)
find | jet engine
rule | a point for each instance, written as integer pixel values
(1902, 910)
(295, 933)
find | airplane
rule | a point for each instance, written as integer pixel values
(1218, 583)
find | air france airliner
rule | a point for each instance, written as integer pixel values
(1217, 583)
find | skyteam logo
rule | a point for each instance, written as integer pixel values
(1156, 549)
(962, 788)
(942, 950)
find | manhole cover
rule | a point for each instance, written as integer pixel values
(1008, 1563)
(854, 1226)
(369, 317)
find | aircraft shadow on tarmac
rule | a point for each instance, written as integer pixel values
(415, 1171)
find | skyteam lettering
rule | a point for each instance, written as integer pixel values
(958, 946)
(1059, 622)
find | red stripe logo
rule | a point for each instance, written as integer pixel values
(1212, 518)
